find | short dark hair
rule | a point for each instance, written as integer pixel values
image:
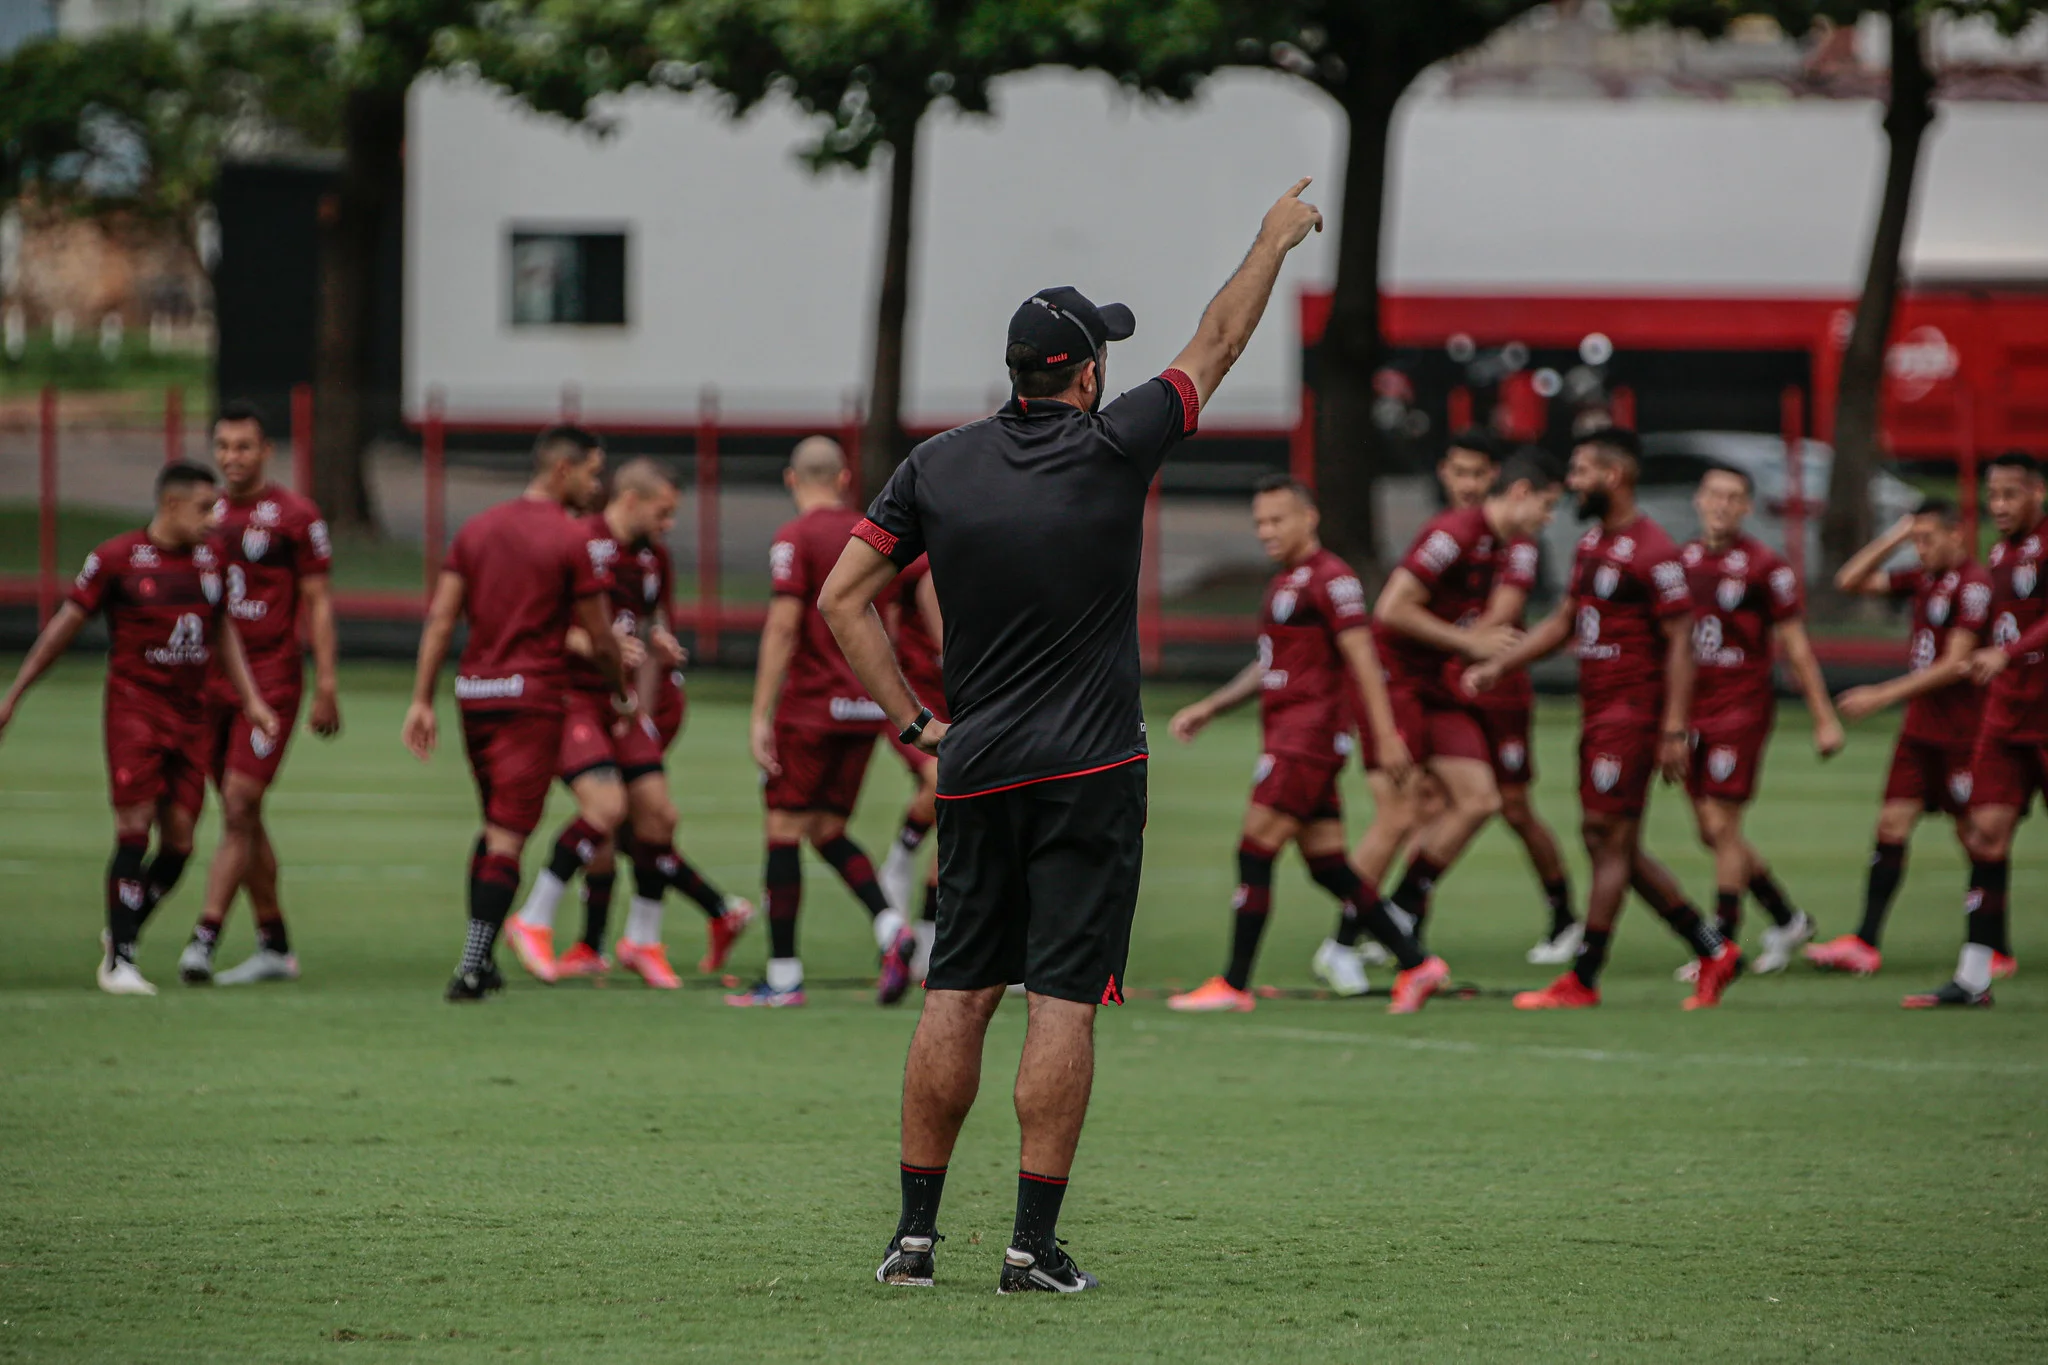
(1748, 483)
(560, 442)
(1031, 382)
(1530, 465)
(1948, 513)
(1284, 483)
(242, 410)
(2016, 459)
(182, 474)
(1615, 440)
(1478, 440)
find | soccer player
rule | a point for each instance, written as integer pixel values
(813, 732)
(1930, 770)
(2009, 764)
(1745, 603)
(919, 634)
(1313, 631)
(278, 558)
(1629, 613)
(1034, 520)
(521, 574)
(1432, 614)
(166, 607)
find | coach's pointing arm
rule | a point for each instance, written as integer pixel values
(1227, 324)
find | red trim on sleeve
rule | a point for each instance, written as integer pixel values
(875, 536)
(1190, 401)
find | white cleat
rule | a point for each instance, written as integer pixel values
(1559, 950)
(1373, 953)
(265, 964)
(1781, 944)
(118, 976)
(1338, 968)
(195, 964)
(1689, 973)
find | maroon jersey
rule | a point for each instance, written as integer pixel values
(821, 692)
(164, 613)
(1739, 595)
(1514, 691)
(1456, 556)
(2016, 704)
(525, 563)
(1625, 584)
(1957, 600)
(644, 588)
(1303, 696)
(915, 649)
(599, 544)
(272, 539)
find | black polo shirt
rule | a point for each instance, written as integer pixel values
(1035, 523)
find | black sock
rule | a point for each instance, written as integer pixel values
(1558, 896)
(125, 895)
(1685, 922)
(493, 883)
(574, 848)
(856, 871)
(1038, 1212)
(784, 880)
(597, 908)
(1412, 895)
(1375, 920)
(160, 878)
(1592, 957)
(1350, 918)
(1986, 904)
(922, 1186)
(205, 933)
(1727, 912)
(1887, 870)
(931, 903)
(1253, 904)
(1771, 897)
(271, 934)
(655, 870)
(911, 837)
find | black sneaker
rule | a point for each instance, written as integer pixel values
(1950, 995)
(1051, 1272)
(467, 987)
(910, 1261)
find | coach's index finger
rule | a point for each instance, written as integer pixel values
(1299, 186)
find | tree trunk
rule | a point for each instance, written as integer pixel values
(1845, 527)
(1350, 448)
(883, 443)
(372, 177)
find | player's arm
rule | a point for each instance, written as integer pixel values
(848, 603)
(421, 730)
(1798, 651)
(771, 667)
(1546, 639)
(1674, 754)
(1861, 574)
(1987, 664)
(1364, 662)
(1952, 667)
(928, 611)
(319, 595)
(591, 613)
(235, 660)
(50, 645)
(1404, 606)
(1505, 605)
(1228, 322)
(1193, 718)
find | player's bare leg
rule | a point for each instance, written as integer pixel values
(899, 865)
(940, 1081)
(273, 959)
(1858, 953)
(1393, 819)
(1265, 832)
(1987, 952)
(894, 937)
(1738, 866)
(1470, 799)
(241, 812)
(1518, 813)
(600, 810)
(1054, 1079)
(659, 867)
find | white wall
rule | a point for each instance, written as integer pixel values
(751, 273)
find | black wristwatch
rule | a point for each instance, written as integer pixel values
(916, 727)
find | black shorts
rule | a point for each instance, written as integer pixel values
(1038, 884)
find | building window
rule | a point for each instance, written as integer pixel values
(568, 279)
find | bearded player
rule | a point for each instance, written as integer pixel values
(2009, 765)
(278, 563)
(1313, 632)
(813, 732)
(1629, 613)
(1930, 770)
(166, 610)
(1746, 605)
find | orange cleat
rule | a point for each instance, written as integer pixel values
(1413, 987)
(1565, 993)
(2003, 965)
(1213, 996)
(581, 960)
(649, 962)
(1845, 954)
(725, 931)
(534, 947)
(1716, 973)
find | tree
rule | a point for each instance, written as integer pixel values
(1909, 113)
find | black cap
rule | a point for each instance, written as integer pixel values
(1060, 326)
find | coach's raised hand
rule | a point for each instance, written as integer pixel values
(1292, 218)
(1231, 317)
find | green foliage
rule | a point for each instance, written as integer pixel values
(1712, 17)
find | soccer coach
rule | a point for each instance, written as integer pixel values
(1034, 521)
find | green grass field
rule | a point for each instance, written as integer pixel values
(348, 1169)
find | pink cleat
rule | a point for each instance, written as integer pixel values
(1214, 996)
(1413, 987)
(1845, 954)
(649, 962)
(725, 931)
(2003, 965)
(534, 947)
(581, 960)
(1716, 973)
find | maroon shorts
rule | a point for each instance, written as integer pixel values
(1298, 786)
(1507, 743)
(640, 747)
(155, 755)
(1936, 777)
(1727, 756)
(2007, 772)
(821, 770)
(588, 723)
(1617, 759)
(1430, 731)
(515, 756)
(670, 708)
(239, 747)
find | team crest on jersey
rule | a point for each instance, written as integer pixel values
(1283, 605)
(2023, 579)
(1922, 654)
(254, 543)
(1959, 787)
(266, 513)
(261, 744)
(1937, 609)
(1737, 562)
(1624, 549)
(1693, 554)
(1513, 754)
(1720, 762)
(1606, 772)
(1605, 580)
(1976, 599)
(1729, 592)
